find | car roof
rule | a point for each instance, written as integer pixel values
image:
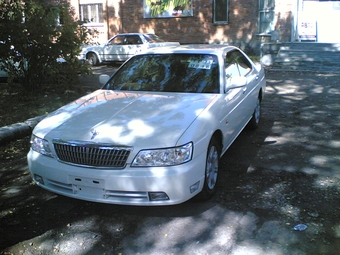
(193, 48)
(135, 34)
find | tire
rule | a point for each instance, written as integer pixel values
(92, 59)
(255, 120)
(211, 170)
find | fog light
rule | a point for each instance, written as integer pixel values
(194, 187)
(38, 179)
(158, 196)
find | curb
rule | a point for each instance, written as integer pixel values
(18, 130)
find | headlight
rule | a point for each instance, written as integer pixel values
(164, 157)
(40, 145)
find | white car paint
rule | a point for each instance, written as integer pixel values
(127, 121)
(144, 120)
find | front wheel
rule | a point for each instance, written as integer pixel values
(255, 120)
(211, 170)
(92, 59)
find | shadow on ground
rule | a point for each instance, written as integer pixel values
(283, 174)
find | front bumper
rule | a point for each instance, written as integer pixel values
(128, 186)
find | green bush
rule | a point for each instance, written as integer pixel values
(34, 35)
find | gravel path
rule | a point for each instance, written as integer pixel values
(285, 173)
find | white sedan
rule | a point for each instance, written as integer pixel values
(154, 133)
(121, 47)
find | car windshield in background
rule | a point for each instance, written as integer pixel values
(152, 38)
(191, 73)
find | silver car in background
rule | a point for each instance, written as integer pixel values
(121, 47)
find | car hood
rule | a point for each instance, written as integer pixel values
(126, 118)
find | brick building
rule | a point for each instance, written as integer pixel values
(244, 23)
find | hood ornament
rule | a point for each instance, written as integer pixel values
(94, 133)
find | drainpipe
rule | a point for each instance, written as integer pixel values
(107, 21)
(294, 26)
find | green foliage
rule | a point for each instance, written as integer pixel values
(159, 6)
(34, 34)
(254, 58)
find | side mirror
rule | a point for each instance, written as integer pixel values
(258, 66)
(103, 78)
(236, 82)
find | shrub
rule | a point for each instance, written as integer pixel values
(34, 35)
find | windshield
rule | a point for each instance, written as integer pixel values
(193, 73)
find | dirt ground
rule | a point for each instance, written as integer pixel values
(285, 173)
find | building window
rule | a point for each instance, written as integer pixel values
(266, 16)
(91, 13)
(221, 11)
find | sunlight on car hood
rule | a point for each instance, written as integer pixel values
(125, 117)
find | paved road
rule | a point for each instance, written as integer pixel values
(92, 82)
(283, 174)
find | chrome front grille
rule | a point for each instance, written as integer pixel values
(91, 154)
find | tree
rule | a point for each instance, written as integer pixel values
(35, 34)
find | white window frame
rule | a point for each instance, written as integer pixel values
(266, 17)
(99, 13)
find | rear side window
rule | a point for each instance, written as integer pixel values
(133, 39)
(152, 38)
